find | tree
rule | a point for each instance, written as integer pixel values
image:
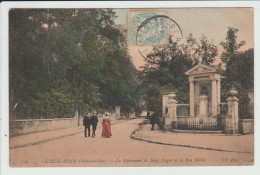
(165, 67)
(43, 52)
(239, 66)
(240, 74)
(230, 46)
(67, 59)
(206, 51)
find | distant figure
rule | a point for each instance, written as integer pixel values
(86, 123)
(148, 115)
(93, 122)
(153, 119)
(106, 129)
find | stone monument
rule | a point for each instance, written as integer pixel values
(204, 90)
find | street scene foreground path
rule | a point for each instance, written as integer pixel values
(132, 144)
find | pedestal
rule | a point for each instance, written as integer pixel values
(203, 106)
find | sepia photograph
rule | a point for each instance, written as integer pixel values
(131, 87)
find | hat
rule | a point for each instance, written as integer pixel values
(94, 112)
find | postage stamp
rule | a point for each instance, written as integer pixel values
(147, 28)
(152, 28)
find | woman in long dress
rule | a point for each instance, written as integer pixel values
(106, 129)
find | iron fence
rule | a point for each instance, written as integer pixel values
(200, 125)
(243, 110)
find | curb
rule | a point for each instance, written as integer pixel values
(178, 145)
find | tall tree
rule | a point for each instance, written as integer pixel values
(60, 60)
(239, 66)
(230, 46)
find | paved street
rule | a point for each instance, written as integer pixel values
(70, 148)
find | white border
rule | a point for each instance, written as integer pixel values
(5, 169)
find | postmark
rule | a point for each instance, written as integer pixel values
(144, 29)
(151, 28)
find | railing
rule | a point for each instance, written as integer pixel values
(243, 110)
(183, 110)
(198, 125)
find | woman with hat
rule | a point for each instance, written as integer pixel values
(106, 129)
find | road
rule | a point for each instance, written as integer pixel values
(119, 150)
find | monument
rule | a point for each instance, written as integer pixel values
(204, 90)
(204, 98)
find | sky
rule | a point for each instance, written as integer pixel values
(212, 22)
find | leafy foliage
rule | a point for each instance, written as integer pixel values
(239, 66)
(230, 46)
(62, 60)
(165, 67)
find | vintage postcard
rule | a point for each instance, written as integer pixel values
(131, 87)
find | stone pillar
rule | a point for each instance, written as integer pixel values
(232, 116)
(196, 97)
(171, 117)
(219, 92)
(191, 97)
(203, 106)
(164, 104)
(214, 98)
(117, 111)
(196, 92)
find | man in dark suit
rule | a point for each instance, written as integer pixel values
(153, 119)
(86, 123)
(93, 122)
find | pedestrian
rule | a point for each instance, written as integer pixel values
(93, 122)
(148, 115)
(106, 128)
(86, 123)
(153, 119)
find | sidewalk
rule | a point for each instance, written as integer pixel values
(46, 136)
(217, 142)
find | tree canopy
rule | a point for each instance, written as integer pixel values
(166, 64)
(62, 60)
(239, 66)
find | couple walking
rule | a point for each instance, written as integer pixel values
(93, 120)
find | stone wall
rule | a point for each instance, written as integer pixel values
(19, 127)
(246, 126)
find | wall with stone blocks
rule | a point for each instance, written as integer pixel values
(19, 127)
(246, 126)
